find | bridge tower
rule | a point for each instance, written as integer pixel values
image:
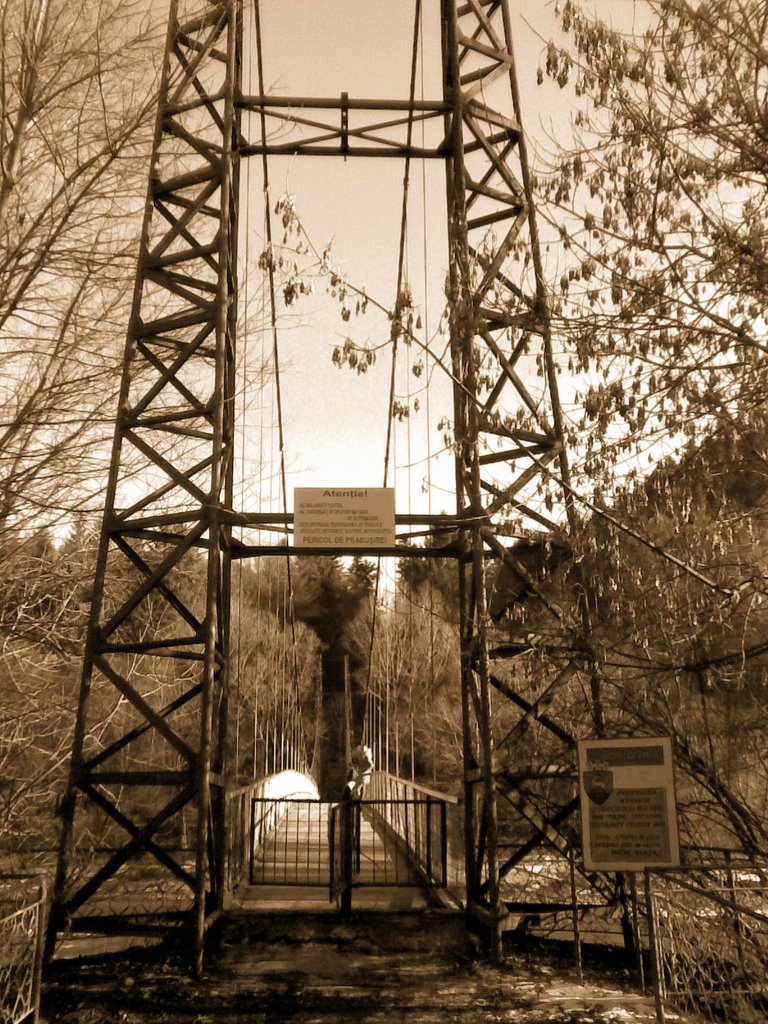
(156, 663)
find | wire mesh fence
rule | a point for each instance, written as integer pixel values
(709, 924)
(22, 921)
(139, 891)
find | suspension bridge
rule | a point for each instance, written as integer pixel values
(168, 817)
(245, 635)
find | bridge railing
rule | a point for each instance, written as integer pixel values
(22, 925)
(426, 821)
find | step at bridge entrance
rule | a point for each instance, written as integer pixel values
(397, 835)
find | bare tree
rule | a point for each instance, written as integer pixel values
(76, 103)
(660, 203)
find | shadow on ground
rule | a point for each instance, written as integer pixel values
(316, 969)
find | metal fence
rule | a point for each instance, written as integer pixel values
(22, 925)
(708, 926)
(388, 843)
(239, 821)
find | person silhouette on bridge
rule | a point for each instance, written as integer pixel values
(360, 771)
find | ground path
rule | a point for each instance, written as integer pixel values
(407, 968)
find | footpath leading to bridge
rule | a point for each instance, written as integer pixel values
(369, 968)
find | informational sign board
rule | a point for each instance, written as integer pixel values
(328, 517)
(628, 808)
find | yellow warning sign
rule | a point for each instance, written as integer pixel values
(327, 517)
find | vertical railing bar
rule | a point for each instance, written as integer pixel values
(325, 815)
(416, 831)
(253, 840)
(37, 969)
(247, 828)
(429, 840)
(575, 915)
(312, 819)
(424, 816)
(444, 841)
(653, 942)
(300, 841)
(242, 849)
(331, 851)
(347, 852)
(362, 824)
(262, 841)
(286, 834)
(386, 813)
(394, 818)
(248, 814)
(407, 829)
(237, 844)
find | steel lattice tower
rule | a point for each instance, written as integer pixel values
(169, 503)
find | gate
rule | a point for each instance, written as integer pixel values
(290, 841)
(379, 842)
(387, 842)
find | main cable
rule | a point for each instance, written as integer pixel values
(275, 345)
(396, 321)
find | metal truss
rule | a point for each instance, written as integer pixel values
(500, 342)
(154, 677)
(157, 651)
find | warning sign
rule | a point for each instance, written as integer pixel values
(628, 810)
(344, 517)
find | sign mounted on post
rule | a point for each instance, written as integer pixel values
(628, 808)
(328, 517)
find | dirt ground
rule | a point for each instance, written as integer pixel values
(412, 968)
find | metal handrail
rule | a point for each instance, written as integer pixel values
(387, 787)
(388, 780)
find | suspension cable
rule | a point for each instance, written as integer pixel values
(275, 342)
(396, 320)
(428, 420)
